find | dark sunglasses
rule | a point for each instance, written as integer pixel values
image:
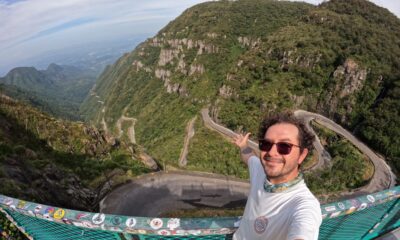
(283, 148)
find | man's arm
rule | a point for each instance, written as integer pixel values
(245, 151)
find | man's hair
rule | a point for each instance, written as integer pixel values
(306, 138)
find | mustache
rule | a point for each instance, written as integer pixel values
(271, 159)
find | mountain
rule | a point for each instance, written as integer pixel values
(247, 58)
(58, 162)
(58, 90)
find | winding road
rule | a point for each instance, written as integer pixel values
(383, 177)
(175, 190)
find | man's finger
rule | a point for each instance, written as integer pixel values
(247, 136)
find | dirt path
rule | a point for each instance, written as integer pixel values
(189, 135)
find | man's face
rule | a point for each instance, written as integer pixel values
(282, 168)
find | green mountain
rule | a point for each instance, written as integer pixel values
(58, 90)
(58, 162)
(247, 58)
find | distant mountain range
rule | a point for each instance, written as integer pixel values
(58, 90)
(94, 55)
(244, 59)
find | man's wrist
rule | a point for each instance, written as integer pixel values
(246, 150)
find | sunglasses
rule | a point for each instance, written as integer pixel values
(283, 148)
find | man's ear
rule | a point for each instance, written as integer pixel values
(303, 156)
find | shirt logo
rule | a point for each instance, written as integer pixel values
(260, 224)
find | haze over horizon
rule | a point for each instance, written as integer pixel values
(37, 32)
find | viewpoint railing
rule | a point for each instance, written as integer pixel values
(365, 217)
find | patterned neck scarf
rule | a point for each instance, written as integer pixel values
(280, 187)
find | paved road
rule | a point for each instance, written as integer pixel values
(131, 129)
(383, 177)
(152, 194)
(324, 158)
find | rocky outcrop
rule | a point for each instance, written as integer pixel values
(227, 92)
(167, 55)
(249, 41)
(196, 69)
(138, 65)
(352, 76)
(348, 79)
(162, 74)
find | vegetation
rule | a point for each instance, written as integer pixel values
(349, 168)
(8, 230)
(339, 59)
(39, 154)
(58, 90)
(210, 152)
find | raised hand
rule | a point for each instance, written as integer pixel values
(241, 140)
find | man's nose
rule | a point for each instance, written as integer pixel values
(273, 151)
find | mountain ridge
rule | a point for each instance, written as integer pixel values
(58, 90)
(244, 64)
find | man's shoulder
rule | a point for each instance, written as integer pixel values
(303, 196)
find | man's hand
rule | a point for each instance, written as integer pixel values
(242, 142)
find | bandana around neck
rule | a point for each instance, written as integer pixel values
(281, 187)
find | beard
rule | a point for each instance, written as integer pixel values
(278, 169)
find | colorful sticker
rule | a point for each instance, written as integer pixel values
(181, 232)
(49, 210)
(335, 214)
(98, 218)
(164, 232)
(78, 216)
(87, 224)
(59, 213)
(330, 208)
(362, 206)
(67, 221)
(194, 232)
(371, 198)
(116, 220)
(130, 222)
(225, 231)
(156, 223)
(173, 223)
(21, 204)
(8, 201)
(38, 208)
(351, 210)
(31, 213)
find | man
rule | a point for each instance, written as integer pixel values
(279, 205)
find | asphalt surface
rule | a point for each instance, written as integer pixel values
(152, 194)
(383, 177)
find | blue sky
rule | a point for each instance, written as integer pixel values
(31, 27)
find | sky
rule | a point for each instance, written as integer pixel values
(30, 28)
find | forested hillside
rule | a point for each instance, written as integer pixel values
(247, 58)
(57, 162)
(58, 90)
